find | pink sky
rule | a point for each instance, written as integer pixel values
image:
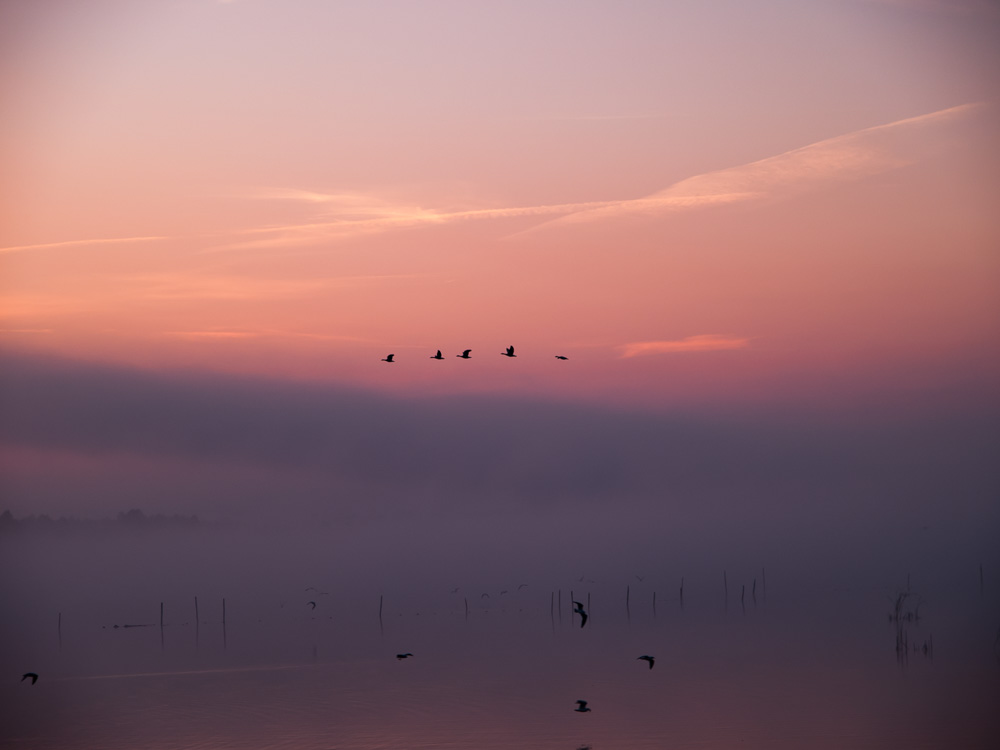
(690, 200)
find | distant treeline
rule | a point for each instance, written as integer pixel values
(132, 519)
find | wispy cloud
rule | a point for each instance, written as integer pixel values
(856, 155)
(71, 243)
(703, 343)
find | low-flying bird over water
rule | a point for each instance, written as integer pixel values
(436, 356)
(32, 675)
(312, 604)
(647, 657)
(509, 352)
(578, 608)
(465, 354)
(559, 356)
(581, 707)
(388, 358)
(407, 655)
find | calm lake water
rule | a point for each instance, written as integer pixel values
(797, 666)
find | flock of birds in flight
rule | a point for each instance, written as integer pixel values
(465, 355)
(578, 609)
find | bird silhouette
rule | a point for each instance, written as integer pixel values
(522, 586)
(581, 707)
(465, 354)
(578, 608)
(312, 604)
(436, 356)
(400, 657)
(509, 352)
(388, 358)
(32, 675)
(647, 657)
(559, 356)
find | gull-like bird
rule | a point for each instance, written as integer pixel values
(465, 354)
(509, 352)
(581, 707)
(32, 675)
(559, 356)
(647, 657)
(400, 657)
(388, 358)
(436, 356)
(578, 609)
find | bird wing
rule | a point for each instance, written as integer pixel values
(467, 352)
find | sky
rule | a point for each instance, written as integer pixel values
(764, 235)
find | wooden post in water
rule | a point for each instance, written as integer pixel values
(466, 607)
(753, 592)
(654, 604)
(743, 591)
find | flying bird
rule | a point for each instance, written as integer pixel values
(581, 707)
(559, 356)
(32, 675)
(509, 352)
(312, 604)
(522, 586)
(436, 356)
(388, 358)
(647, 657)
(400, 657)
(578, 609)
(465, 354)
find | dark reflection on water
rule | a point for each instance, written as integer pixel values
(810, 667)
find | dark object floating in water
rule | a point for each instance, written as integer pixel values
(465, 354)
(509, 352)
(32, 675)
(389, 358)
(400, 657)
(648, 658)
(559, 356)
(437, 356)
(581, 707)
(312, 604)
(578, 608)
